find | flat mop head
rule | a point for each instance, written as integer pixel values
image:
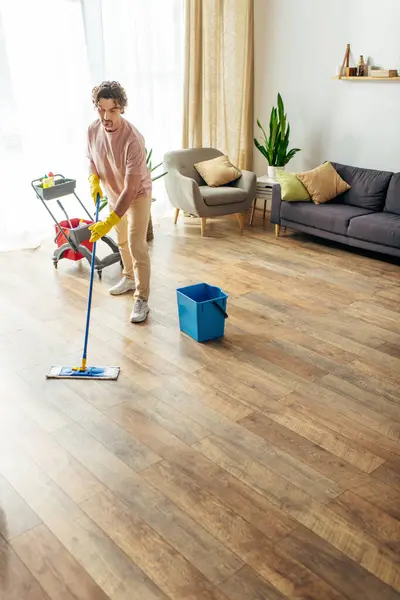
(62, 372)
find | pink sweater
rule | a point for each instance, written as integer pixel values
(119, 159)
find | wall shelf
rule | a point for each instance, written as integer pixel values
(393, 79)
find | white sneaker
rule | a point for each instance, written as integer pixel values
(140, 311)
(122, 287)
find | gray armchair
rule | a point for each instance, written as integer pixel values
(188, 192)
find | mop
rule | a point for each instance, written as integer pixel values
(85, 372)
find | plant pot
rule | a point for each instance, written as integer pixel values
(272, 171)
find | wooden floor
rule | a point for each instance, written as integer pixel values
(262, 467)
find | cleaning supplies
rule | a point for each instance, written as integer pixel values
(48, 180)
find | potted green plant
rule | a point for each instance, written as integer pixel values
(275, 146)
(149, 163)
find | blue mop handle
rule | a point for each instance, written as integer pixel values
(89, 305)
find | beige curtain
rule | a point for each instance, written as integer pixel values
(219, 78)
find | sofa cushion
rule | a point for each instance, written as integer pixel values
(292, 190)
(368, 187)
(323, 183)
(380, 228)
(333, 217)
(393, 195)
(217, 196)
(218, 171)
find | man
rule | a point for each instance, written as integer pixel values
(117, 156)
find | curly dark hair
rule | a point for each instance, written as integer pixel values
(110, 89)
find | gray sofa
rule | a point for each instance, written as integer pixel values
(366, 216)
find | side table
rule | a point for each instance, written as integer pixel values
(263, 192)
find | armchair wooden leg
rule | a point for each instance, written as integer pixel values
(277, 230)
(240, 217)
(253, 210)
(203, 225)
(176, 216)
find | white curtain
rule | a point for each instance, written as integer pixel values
(49, 61)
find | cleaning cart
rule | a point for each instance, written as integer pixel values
(72, 235)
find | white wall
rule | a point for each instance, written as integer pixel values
(298, 45)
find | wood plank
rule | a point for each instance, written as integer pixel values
(230, 407)
(378, 371)
(315, 455)
(18, 393)
(59, 574)
(15, 515)
(320, 364)
(376, 358)
(99, 556)
(369, 518)
(392, 292)
(81, 410)
(16, 582)
(389, 473)
(161, 563)
(318, 518)
(391, 349)
(247, 584)
(115, 438)
(322, 348)
(279, 355)
(216, 481)
(247, 542)
(381, 495)
(235, 379)
(61, 467)
(324, 437)
(117, 521)
(282, 294)
(379, 301)
(182, 532)
(382, 318)
(294, 470)
(255, 364)
(343, 404)
(335, 568)
(340, 341)
(174, 421)
(350, 428)
(364, 390)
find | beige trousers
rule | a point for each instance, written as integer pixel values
(131, 239)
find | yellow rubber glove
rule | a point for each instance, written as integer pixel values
(95, 187)
(101, 228)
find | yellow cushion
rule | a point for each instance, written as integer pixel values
(292, 190)
(218, 171)
(323, 183)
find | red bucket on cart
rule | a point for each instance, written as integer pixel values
(60, 239)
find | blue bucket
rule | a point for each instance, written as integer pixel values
(202, 311)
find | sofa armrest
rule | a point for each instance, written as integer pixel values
(276, 204)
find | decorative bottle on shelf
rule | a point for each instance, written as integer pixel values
(361, 67)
